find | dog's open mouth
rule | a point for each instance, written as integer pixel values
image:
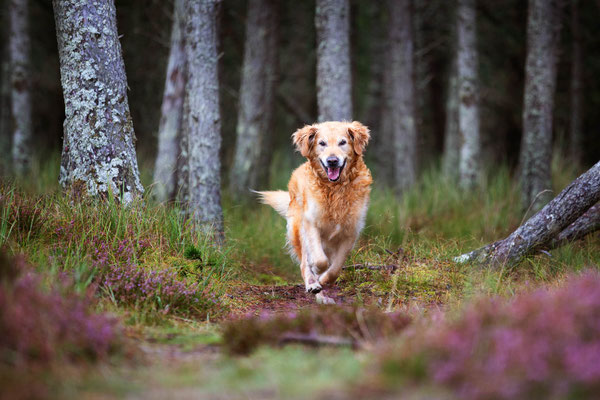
(333, 173)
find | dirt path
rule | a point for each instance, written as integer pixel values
(272, 299)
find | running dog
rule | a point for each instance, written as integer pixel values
(326, 202)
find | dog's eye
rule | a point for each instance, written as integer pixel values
(322, 143)
(342, 142)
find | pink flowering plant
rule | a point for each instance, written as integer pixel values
(117, 271)
(544, 344)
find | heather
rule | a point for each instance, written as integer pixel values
(206, 318)
(43, 325)
(543, 344)
(133, 257)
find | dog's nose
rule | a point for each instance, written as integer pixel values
(332, 161)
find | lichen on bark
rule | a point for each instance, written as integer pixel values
(98, 149)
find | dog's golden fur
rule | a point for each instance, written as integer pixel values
(325, 207)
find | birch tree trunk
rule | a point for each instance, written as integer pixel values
(171, 112)
(543, 31)
(334, 77)
(576, 95)
(451, 157)
(399, 94)
(202, 121)
(546, 225)
(20, 49)
(98, 155)
(468, 94)
(257, 100)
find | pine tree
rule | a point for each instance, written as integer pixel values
(543, 33)
(202, 118)
(257, 100)
(334, 77)
(169, 131)
(98, 155)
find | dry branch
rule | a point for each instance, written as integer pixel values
(393, 267)
(317, 340)
(544, 226)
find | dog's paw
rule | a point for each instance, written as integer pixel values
(322, 299)
(314, 287)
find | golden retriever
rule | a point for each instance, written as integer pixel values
(327, 199)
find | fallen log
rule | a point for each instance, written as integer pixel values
(546, 225)
(583, 226)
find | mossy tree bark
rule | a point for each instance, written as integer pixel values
(169, 130)
(576, 90)
(257, 100)
(399, 94)
(98, 155)
(543, 31)
(334, 77)
(202, 119)
(20, 88)
(468, 95)
(572, 206)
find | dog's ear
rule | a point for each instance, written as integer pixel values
(304, 138)
(360, 136)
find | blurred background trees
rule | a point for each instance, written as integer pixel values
(342, 59)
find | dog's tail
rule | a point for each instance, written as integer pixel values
(278, 199)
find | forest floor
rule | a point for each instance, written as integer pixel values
(203, 322)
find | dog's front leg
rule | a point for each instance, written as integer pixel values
(314, 261)
(337, 261)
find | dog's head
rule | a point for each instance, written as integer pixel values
(332, 146)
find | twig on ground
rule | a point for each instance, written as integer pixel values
(393, 267)
(318, 340)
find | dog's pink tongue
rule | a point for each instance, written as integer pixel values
(333, 173)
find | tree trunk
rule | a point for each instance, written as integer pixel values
(98, 155)
(583, 226)
(20, 48)
(451, 157)
(5, 108)
(576, 121)
(202, 121)
(171, 112)
(399, 94)
(334, 79)
(468, 96)
(543, 30)
(257, 100)
(546, 225)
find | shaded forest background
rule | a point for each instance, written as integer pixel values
(501, 28)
